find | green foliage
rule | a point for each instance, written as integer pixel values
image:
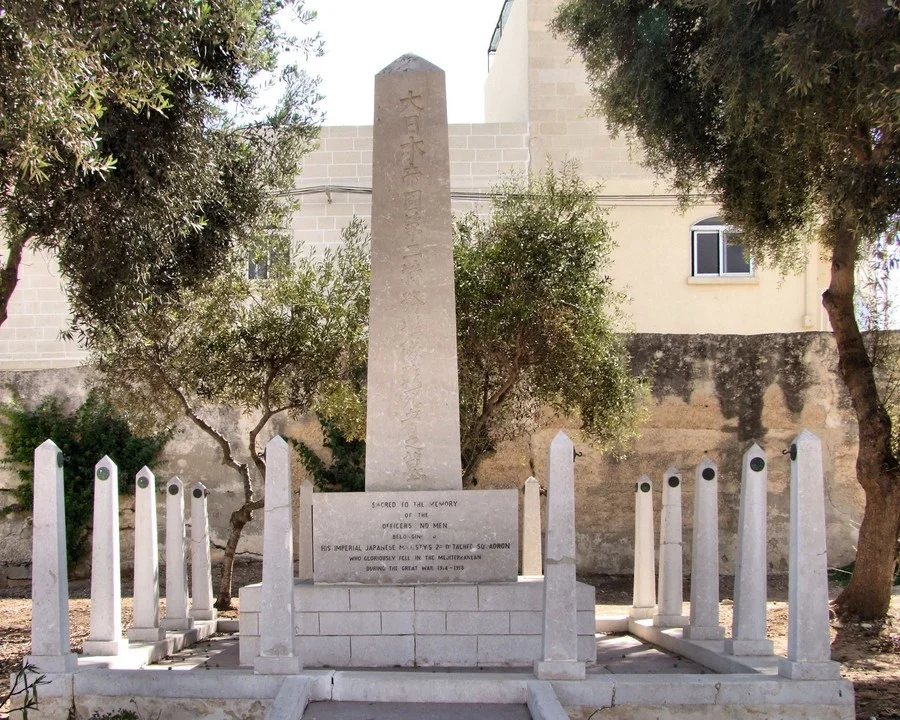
(120, 150)
(787, 112)
(536, 314)
(93, 430)
(267, 346)
(346, 470)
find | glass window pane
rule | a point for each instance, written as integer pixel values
(735, 262)
(706, 249)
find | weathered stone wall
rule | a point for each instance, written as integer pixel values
(712, 395)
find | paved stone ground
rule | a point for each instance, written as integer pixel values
(616, 653)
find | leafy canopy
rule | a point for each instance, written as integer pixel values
(536, 316)
(788, 111)
(117, 154)
(285, 344)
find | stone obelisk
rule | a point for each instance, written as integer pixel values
(412, 437)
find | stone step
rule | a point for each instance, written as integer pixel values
(414, 711)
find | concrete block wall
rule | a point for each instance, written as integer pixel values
(496, 624)
(38, 312)
(561, 123)
(336, 182)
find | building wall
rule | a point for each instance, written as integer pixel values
(711, 396)
(652, 262)
(38, 313)
(506, 88)
(336, 182)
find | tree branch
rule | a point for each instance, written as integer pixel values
(224, 445)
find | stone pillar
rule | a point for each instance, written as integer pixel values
(412, 428)
(531, 529)
(177, 617)
(809, 639)
(560, 639)
(748, 628)
(146, 561)
(305, 542)
(276, 611)
(106, 582)
(705, 559)
(671, 570)
(201, 566)
(49, 576)
(643, 601)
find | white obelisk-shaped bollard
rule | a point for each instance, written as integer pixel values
(177, 617)
(146, 627)
(704, 623)
(305, 532)
(49, 575)
(276, 612)
(809, 638)
(560, 639)
(671, 563)
(643, 602)
(201, 565)
(531, 529)
(106, 582)
(748, 628)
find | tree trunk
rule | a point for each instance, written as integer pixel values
(239, 518)
(868, 595)
(9, 275)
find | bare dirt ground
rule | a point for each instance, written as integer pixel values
(869, 653)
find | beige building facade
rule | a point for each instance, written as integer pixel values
(683, 271)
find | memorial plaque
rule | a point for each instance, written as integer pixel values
(415, 537)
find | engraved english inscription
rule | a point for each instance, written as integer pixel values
(415, 537)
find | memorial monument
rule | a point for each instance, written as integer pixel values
(414, 523)
(415, 570)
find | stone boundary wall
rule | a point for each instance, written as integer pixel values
(712, 395)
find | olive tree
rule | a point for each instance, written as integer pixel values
(787, 113)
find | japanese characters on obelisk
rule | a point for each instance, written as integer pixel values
(412, 427)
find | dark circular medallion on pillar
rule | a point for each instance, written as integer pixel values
(674, 481)
(645, 487)
(143, 481)
(793, 451)
(757, 464)
(59, 459)
(198, 493)
(103, 473)
(173, 489)
(708, 474)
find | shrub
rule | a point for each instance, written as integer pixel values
(346, 472)
(84, 436)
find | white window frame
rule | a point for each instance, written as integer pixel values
(723, 231)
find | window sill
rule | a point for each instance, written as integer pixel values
(722, 280)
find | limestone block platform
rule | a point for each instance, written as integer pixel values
(464, 625)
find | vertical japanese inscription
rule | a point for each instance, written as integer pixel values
(412, 440)
(412, 298)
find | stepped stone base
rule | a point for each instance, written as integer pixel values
(464, 625)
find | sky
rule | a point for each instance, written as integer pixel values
(364, 36)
